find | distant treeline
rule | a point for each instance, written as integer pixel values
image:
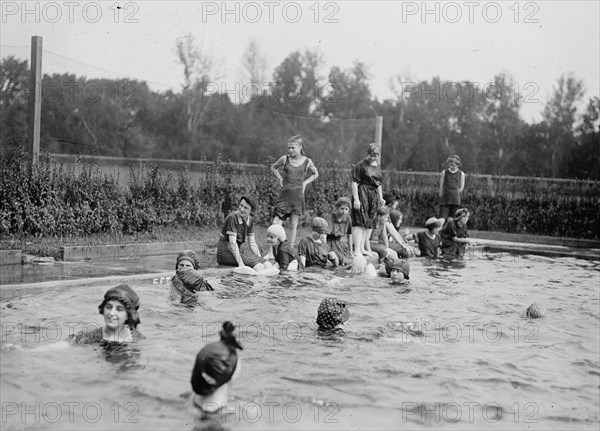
(426, 122)
(78, 198)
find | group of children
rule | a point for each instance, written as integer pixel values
(365, 224)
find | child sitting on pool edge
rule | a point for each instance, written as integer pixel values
(187, 281)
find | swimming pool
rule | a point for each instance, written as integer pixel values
(454, 352)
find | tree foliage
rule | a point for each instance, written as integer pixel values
(334, 110)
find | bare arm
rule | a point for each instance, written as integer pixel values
(355, 195)
(384, 233)
(391, 231)
(235, 250)
(275, 169)
(350, 244)
(253, 246)
(302, 260)
(461, 240)
(380, 194)
(315, 173)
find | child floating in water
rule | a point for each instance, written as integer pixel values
(313, 250)
(120, 311)
(282, 251)
(187, 281)
(216, 365)
(331, 315)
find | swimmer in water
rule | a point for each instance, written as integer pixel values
(216, 365)
(331, 315)
(120, 310)
(187, 281)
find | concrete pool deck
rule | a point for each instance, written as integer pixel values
(157, 260)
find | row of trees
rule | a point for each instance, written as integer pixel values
(423, 124)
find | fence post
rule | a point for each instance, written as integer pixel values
(35, 98)
(378, 131)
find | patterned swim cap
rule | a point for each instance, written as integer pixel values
(331, 313)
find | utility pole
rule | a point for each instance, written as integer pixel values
(35, 98)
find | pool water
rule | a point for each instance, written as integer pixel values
(454, 352)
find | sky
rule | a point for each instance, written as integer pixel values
(534, 42)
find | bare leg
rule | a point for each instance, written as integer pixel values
(357, 239)
(294, 220)
(367, 236)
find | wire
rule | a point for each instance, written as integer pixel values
(106, 70)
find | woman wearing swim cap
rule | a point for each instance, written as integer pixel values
(216, 365)
(120, 311)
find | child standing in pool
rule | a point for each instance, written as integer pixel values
(454, 234)
(187, 281)
(452, 184)
(293, 180)
(429, 240)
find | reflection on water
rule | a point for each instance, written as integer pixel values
(126, 356)
(451, 349)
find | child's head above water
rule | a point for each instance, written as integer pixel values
(398, 270)
(187, 259)
(434, 223)
(130, 300)
(331, 313)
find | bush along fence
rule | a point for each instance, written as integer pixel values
(81, 197)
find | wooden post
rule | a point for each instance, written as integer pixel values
(378, 131)
(35, 98)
